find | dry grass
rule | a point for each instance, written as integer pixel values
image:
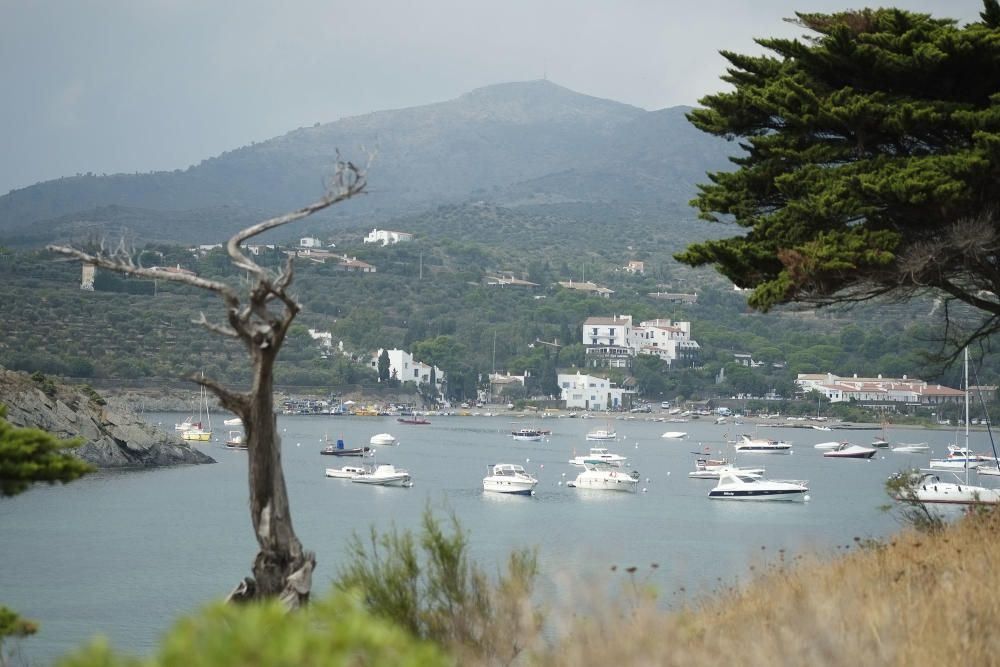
(917, 600)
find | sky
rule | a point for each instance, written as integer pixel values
(110, 86)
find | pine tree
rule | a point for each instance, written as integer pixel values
(870, 166)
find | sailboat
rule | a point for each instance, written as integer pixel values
(929, 488)
(882, 442)
(201, 434)
(605, 434)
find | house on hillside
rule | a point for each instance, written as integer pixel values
(387, 237)
(508, 281)
(878, 390)
(405, 368)
(613, 342)
(590, 392)
(635, 267)
(588, 287)
(310, 242)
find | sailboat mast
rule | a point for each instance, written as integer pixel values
(967, 452)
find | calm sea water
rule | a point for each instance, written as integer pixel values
(123, 554)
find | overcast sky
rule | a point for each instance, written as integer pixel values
(140, 85)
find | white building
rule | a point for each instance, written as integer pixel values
(405, 368)
(614, 341)
(670, 341)
(589, 392)
(310, 242)
(385, 237)
(878, 389)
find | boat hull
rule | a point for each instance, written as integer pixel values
(759, 494)
(393, 480)
(512, 487)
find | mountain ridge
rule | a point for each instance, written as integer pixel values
(501, 140)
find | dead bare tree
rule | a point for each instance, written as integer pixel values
(282, 568)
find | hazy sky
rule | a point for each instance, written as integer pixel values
(140, 85)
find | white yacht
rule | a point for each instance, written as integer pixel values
(762, 445)
(674, 435)
(931, 489)
(384, 439)
(527, 434)
(734, 486)
(599, 454)
(713, 469)
(384, 474)
(846, 450)
(346, 472)
(509, 478)
(603, 476)
(602, 435)
(911, 448)
(832, 444)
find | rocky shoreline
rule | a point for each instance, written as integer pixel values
(113, 438)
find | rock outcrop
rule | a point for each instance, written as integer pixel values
(112, 438)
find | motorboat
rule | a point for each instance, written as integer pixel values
(832, 444)
(713, 469)
(603, 476)
(959, 458)
(384, 440)
(413, 419)
(929, 488)
(233, 421)
(599, 454)
(674, 435)
(236, 441)
(736, 486)
(911, 448)
(509, 478)
(339, 450)
(529, 434)
(384, 474)
(762, 445)
(346, 472)
(602, 435)
(846, 450)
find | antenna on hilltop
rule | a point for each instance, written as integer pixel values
(545, 70)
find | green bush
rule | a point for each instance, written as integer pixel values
(439, 594)
(335, 631)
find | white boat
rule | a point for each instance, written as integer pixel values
(674, 435)
(509, 478)
(734, 486)
(713, 469)
(605, 477)
(931, 489)
(821, 428)
(599, 454)
(234, 421)
(911, 448)
(833, 444)
(529, 434)
(846, 450)
(602, 435)
(200, 433)
(762, 445)
(235, 440)
(187, 424)
(384, 474)
(383, 439)
(346, 472)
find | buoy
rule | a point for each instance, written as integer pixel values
(564, 474)
(644, 489)
(541, 466)
(668, 473)
(647, 480)
(298, 444)
(559, 484)
(527, 460)
(805, 497)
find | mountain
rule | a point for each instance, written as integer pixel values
(528, 142)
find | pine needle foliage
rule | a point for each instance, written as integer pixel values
(871, 152)
(29, 455)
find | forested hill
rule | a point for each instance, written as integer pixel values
(531, 142)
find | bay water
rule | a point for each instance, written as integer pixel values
(123, 554)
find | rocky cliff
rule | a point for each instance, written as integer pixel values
(112, 438)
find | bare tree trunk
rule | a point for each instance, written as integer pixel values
(282, 568)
